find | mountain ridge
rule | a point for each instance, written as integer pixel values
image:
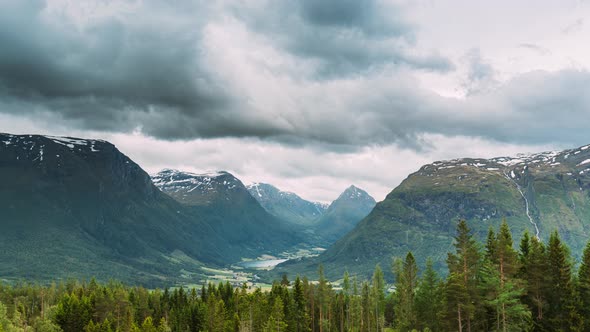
(286, 205)
(72, 207)
(538, 192)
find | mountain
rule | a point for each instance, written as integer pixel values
(323, 224)
(201, 189)
(78, 208)
(537, 192)
(230, 212)
(286, 205)
(344, 213)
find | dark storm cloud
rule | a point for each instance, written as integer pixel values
(344, 37)
(147, 70)
(144, 70)
(110, 72)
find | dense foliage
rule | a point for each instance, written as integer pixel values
(489, 288)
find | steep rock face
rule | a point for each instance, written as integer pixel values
(537, 192)
(82, 208)
(224, 203)
(286, 205)
(344, 213)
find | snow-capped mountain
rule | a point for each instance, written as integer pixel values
(223, 200)
(199, 189)
(538, 192)
(81, 208)
(287, 205)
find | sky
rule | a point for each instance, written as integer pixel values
(310, 96)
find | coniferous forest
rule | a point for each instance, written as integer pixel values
(489, 287)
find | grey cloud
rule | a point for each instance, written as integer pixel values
(145, 71)
(120, 75)
(480, 74)
(107, 71)
(366, 16)
(345, 37)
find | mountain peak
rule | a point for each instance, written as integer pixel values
(354, 193)
(345, 213)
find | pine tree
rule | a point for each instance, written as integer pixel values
(463, 287)
(163, 326)
(584, 287)
(275, 322)
(323, 296)
(491, 245)
(537, 282)
(301, 317)
(378, 295)
(346, 290)
(560, 297)
(406, 273)
(523, 255)
(148, 325)
(429, 299)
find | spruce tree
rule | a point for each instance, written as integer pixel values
(537, 282)
(429, 299)
(584, 287)
(463, 266)
(378, 295)
(406, 273)
(561, 288)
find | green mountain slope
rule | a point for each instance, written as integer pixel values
(246, 229)
(321, 224)
(344, 214)
(80, 208)
(538, 192)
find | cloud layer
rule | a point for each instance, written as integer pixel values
(321, 79)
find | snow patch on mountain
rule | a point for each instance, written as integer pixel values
(176, 180)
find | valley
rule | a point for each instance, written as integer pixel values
(76, 208)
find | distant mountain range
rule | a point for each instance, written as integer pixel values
(536, 192)
(323, 223)
(77, 208)
(247, 230)
(287, 205)
(72, 207)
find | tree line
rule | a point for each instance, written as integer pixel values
(489, 287)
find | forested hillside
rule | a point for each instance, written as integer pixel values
(76, 208)
(494, 288)
(538, 192)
